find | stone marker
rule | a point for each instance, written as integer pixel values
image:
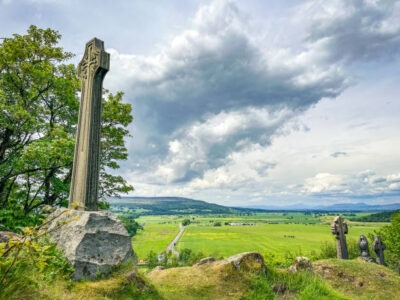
(339, 228)
(378, 246)
(92, 241)
(363, 248)
(85, 174)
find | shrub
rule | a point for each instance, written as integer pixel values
(28, 260)
(130, 224)
(186, 222)
(390, 235)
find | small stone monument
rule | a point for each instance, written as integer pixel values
(363, 249)
(339, 228)
(93, 241)
(378, 246)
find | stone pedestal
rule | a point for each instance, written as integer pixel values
(92, 241)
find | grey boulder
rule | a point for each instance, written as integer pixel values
(301, 263)
(92, 241)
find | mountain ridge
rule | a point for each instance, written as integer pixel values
(173, 205)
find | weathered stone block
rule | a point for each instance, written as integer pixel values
(247, 261)
(301, 263)
(92, 241)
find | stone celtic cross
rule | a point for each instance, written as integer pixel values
(85, 173)
(378, 246)
(339, 228)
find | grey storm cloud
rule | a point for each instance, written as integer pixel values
(354, 30)
(216, 69)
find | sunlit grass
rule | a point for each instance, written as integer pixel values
(274, 233)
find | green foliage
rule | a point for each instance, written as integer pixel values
(328, 249)
(38, 116)
(217, 224)
(130, 224)
(187, 257)
(186, 222)
(385, 216)
(104, 205)
(152, 259)
(29, 260)
(390, 235)
(16, 219)
(38, 108)
(116, 116)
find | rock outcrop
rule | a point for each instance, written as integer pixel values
(248, 261)
(92, 241)
(301, 263)
(205, 261)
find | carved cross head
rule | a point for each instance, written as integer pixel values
(339, 226)
(95, 59)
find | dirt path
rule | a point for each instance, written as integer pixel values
(171, 245)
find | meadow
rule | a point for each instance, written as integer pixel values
(276, 235)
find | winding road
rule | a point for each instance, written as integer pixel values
(171, 245)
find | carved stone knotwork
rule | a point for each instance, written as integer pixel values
(85, 175)
(339, 228)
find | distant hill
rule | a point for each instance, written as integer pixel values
(171, 205)
(384, 216)
(179, 205)
(334, 208)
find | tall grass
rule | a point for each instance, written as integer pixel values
(301, 285)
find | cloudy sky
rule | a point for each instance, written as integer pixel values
(247, 102)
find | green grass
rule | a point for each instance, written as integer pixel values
(269, 236)
(359, 279)
(228, 240)
(156, 236)
(284, 285)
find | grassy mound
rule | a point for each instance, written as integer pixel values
(241, 276)
(358, 279)
(124, 284)
(208, 281)
(225, 280)
(331, 279)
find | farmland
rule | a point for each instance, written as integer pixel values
(272, 234)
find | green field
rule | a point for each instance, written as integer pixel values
(157, 234)
(276, 234)
(278, 239)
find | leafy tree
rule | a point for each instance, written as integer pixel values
(152, 260)
(130, 224)
(390, 235)
(116, 116)
(38, 116)
(186, 222)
